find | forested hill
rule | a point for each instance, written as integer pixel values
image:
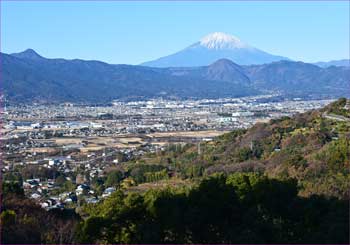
(313, 147)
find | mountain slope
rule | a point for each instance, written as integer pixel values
(213, 47)
(300, 78)
(344, 62)
(220, 70)
(226, 70)
(28, 54)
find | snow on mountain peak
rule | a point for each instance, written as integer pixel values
(220, 40)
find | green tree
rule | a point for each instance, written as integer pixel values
(8, 217)
(12, 188)
(114, 178)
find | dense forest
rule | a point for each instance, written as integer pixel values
(286, 181)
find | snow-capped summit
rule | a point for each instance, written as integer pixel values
(220, 40)
(215, 46)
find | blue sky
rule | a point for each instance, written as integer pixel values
(134, 32)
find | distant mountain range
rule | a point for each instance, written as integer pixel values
(212, 47)
(344, 62)
(29, 77)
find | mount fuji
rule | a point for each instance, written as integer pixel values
(213, 47)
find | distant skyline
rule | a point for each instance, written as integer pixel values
(135, 32)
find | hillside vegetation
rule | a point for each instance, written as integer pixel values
(309, 147)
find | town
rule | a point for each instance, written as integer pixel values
(60, 151)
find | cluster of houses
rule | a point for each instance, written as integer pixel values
(41, 191)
